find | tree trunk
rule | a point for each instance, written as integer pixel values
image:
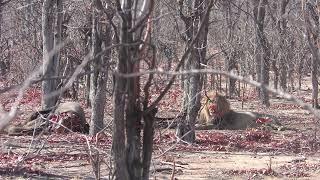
(276, 74)
(1, 23)
(127, 112)
(265, 69)
(193, 83)
(58, 33)
(314, 77)
(283, 74)
(282, 28)
(50, 40)
(148, 134)
(118, 133)
(230, 54)
(99, 77)
(87, 70)
(232, 82)
(132, 106)
(291, 75)
(312, 32)
(258, 63)
(263, 44)
(2, 61)
(86, 30)
(300, 71)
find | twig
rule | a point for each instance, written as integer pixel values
(173, 170)
(173, 163)
(94, 160)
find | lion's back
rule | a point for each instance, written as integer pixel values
(74, 107)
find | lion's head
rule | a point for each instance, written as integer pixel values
(222, 105)
(213, 105)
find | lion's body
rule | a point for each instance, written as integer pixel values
(233, 120)
(26, 128)
(38, 121)
(71, 107)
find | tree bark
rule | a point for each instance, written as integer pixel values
(263, 44)
(98, 84)
(276, 74)
(2, 61)
(50, 62)
(119, 97)
(231, 55)
(87, 43)
(282, 28)
(312, 31)
(193, 83)
(127, 112)
(148, 134)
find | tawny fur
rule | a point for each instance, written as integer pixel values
(71, 107)
(222, 105)
(26, 128)
(38, 123)
(204, 115)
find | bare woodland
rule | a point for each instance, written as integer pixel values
(134, 64)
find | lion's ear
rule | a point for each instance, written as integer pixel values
(220, 95)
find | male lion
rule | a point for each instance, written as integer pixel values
(223, 117)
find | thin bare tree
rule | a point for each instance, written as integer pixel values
(101, 37)
(311, 19)
(196, 20)
(131, 158)
(263, 47)
(51, 33)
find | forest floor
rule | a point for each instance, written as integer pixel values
(249, 154)
(217, 154)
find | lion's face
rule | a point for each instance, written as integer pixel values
(214, 105)
(222, 105)
(217, 104)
